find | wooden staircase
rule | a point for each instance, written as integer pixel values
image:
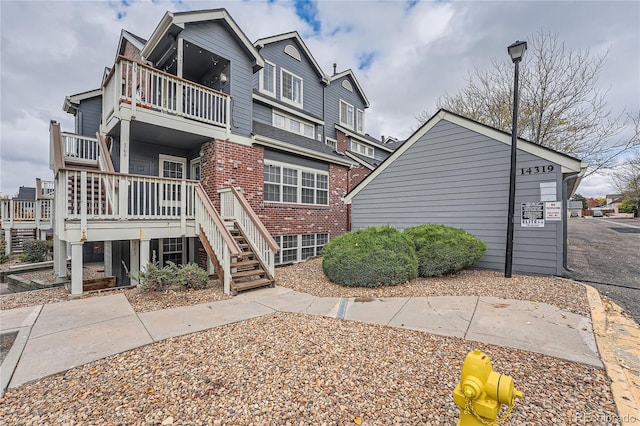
(18, 236)
(247, 272)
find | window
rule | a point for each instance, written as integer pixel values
(291, 88)
(295, 248)
(359, 121)
(361, 148)
(172, 167)
(293, 125)
(332, 143)
(289, 184)
(346, 114)
(195, 169)
(268, 79)
(172, 250)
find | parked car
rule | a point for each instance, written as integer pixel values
(597, 213)
(574, 214)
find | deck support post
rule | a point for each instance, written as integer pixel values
(134, 261)
(76, 267)
(108, 258)
(7, 241)
(59, 259)
(145, 249)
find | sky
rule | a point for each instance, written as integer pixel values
(405, 54)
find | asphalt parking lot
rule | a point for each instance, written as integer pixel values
(605, 253)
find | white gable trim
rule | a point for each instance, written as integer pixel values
(355, 80)
(294, 35)
(74, 100)
(568, 164)
(182, 18)
(361, 162)
(361, 138)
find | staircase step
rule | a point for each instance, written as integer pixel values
(245, 263)
(245, 274)
(247, 285)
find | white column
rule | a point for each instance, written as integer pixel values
(7, 241)
(76, 267)
(210, 268)
(134, 261)
(59, 259)
(125, 135)
(145, 250)
(108, 259)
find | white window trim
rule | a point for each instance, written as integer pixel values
(333, 143)
(299, 186)
(299, 246)
(286, 100)
(345, 123)
(362, 149)
(357, 122)
(261, 78)
(287, 125)
(164, 157)
(193, 163)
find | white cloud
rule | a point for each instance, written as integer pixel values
(53, 49)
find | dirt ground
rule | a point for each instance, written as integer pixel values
(605, 253)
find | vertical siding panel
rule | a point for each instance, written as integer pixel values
(460, 178)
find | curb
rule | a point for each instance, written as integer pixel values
(623, 391)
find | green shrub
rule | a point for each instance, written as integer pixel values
(444, 250)
(3, 257)
(370, 257)
(172, 276)
(34, 250)
(192, 276)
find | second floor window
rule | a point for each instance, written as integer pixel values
(360, 121)
(268, 81)
(285, 183)
(291, 90)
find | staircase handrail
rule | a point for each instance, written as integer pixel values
(255, 220)
(56, 155)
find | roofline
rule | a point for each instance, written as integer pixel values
(353, 76)
(359, 161)
(567, 163)
(182, 18)
(130, 38)
(294, 35)
(274, 143)
(352, 134)
(72, 100)
(275, 104)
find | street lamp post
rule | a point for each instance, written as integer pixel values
(516, 51)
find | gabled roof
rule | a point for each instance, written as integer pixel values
(364, 138)
(260, 43)
(569, 164)
(368, 162)
(179, 19)
(26, 193)
(355, 80)
(72, 101)
(267, 135)
(136, 41)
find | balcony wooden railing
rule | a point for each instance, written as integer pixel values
(79, 149)
(145, 87)
(44, 188)
(234, 206)
(29, 213)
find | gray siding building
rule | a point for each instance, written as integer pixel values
(455, 171)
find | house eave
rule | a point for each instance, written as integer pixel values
(355, 80)
(352, 134)
(294, 35)
(359, 161)
(266, 100)
(158, 33)
(273, 143)
(72, 101)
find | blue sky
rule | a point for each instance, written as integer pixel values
(405, 55)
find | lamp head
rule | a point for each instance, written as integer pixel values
(516, 50)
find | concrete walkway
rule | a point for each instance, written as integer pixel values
(55, 337)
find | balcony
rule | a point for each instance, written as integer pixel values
(141, 93)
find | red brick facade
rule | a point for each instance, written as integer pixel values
(225, 163)
(357, 175)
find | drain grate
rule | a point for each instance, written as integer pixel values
(627, 230)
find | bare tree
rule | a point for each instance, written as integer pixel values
(626, 179)
(561, 104)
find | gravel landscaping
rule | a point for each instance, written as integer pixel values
(290, 369)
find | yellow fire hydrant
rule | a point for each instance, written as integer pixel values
(482, 391)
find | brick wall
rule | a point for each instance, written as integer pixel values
(357, 175)
(224, 163)
(342, 141)
(131, 52)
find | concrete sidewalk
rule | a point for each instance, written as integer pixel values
(56, 337)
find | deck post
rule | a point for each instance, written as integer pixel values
(145, 249)
(134, 261)
(7, 241)
(59, 259)
(76, 267)
(108, 258)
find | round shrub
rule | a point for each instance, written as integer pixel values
(370, 257)
(444, 250)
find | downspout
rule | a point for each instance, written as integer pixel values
(565, 221)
